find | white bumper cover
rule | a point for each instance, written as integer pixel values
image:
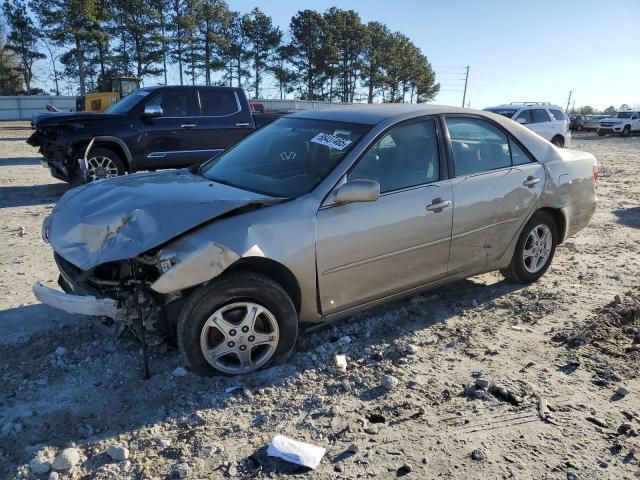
(82, 305)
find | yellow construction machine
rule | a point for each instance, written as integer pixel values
(99, 101)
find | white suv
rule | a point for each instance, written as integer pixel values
(548, 121)
(620, 122)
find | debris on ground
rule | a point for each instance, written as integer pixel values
(296, 452)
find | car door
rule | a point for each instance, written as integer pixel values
(223, 120)
(496, 186)
(365, 251)
(167, 141)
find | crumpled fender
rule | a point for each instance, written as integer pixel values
(193, 267)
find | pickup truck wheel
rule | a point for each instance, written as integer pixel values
(626, 131)
(104, 163)
(534, 250)
(558, 141)
(239, 323)
(601, 134)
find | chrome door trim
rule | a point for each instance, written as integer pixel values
(164, 154)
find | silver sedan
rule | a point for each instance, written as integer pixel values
(313, 218)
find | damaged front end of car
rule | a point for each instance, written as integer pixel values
(128, 248)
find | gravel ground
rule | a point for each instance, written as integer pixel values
(558, 395)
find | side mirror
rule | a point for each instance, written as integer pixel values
(357, 191)
(152, 111)
(521, 121)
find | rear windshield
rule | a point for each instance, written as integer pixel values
(287, 158)
(505, 112)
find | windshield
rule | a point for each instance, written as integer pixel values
(505, 112)
(128, 102)
(287, 158)
(621, 115)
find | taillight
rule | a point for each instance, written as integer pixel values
(596, 171)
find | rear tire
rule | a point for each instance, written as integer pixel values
(530, 259)
(251, 344)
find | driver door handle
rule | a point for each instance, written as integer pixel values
(438, 204)
(531, 181)
(188, 125)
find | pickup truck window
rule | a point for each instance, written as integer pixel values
(217, 104)
(173, 103)
(287, 158)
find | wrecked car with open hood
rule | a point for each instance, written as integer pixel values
(313, 218)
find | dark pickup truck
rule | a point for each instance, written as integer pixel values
(152, 128)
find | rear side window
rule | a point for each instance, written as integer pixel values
(558, 115)
(478, 146)
(218, 103)
(518, 156)
(526, 114)
(539, 115)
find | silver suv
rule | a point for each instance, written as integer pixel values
(548, 121)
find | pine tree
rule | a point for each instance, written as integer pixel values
(69, 23)
(22, 39)
(264, 39)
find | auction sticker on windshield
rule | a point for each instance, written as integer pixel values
(331, 141)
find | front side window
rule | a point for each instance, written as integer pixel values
(558, 115)
(526, 115)
(539, 115)
(286, 158)
(173, 103)
(217, 103)
(405, 157)
(478, 146)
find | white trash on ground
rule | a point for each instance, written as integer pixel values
(296, 452)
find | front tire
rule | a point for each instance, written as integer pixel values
(104, 163)
(239, 323)
(626, 131)
(534, 251)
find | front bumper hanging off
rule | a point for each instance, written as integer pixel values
(79, 304)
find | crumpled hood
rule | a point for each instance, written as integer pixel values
(123, 217)
(47, 119)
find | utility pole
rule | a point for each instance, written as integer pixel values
(569, 100)
(466, 80)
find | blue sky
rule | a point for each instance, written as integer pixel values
(536, 50)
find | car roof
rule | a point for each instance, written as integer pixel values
(388, 114)
(372, 114)
(516, 106)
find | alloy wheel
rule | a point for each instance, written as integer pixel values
(537, 248)
(239, 338)
(100, 167)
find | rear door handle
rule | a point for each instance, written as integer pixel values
(438, 204)
(531, 181)
(188, 125)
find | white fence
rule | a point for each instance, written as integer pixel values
(23, 108)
